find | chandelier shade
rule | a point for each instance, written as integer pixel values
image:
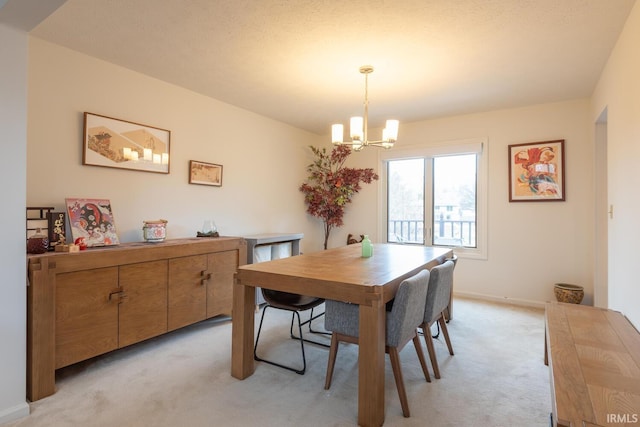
(358, 132)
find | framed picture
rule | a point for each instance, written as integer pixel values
(537, 172)
(205, 173)
(92, 220)
(121, 144)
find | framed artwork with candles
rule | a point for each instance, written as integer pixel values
(123, 144)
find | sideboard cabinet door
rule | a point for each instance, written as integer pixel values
(222, 266)
(86, 314)
(187, 290)
(143, 310)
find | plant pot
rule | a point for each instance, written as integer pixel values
(568, 293)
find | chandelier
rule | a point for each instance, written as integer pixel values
(359, 125)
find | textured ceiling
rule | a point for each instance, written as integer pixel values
(297, 61)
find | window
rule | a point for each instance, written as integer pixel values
(405, 195)
(436, 196)
(454, 185)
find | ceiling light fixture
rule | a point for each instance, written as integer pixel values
(359, 125)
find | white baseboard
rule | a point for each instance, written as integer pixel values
(504, 300)
(14, 413)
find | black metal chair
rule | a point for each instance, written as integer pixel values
(294, 303)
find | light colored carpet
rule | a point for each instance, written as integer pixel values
(496, 378)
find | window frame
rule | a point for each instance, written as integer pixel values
(478, 146)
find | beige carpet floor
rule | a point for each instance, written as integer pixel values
(496, 378)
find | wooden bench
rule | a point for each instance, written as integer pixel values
(594, 363)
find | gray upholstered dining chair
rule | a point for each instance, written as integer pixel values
(448, 313)
(342, 319)
(438, 297)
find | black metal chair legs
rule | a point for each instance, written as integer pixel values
(294, 315)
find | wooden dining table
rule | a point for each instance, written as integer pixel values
(340, 274)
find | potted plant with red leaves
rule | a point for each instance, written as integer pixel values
(330, 186)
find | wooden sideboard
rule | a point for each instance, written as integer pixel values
(594, 362)
(87, 303)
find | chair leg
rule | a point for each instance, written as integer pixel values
(255, 348)
(397, 374)
(423, 362)
(333, 352)
(308, 321)
(312, 318)
(428, 339)
(304, 359)
(445, 332)
(437, 334)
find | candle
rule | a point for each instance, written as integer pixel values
(134, 156)
(147, 154)
(165, 158)
(126, 153)
(156, 159)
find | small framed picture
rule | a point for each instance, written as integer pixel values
(536, 172)
(202, 173)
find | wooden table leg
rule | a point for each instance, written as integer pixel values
(242, 327)
(41, 330)
(371, 365)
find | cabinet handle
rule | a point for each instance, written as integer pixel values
(205, 277)
(121, 296)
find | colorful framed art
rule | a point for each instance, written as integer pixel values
(92, 220)
(537, 172)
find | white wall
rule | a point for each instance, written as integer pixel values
(13, 140)
(263, 160)
(619, 91)
(533, 245)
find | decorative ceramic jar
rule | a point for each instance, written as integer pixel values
(568, 293)
(38, 243)
(155, 231)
